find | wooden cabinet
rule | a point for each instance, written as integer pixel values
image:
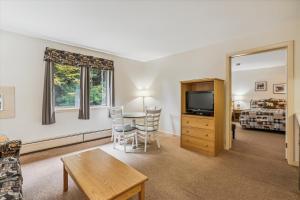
(204, 134)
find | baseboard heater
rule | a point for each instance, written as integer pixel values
(64, 140)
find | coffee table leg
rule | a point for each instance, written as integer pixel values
(142, 192)
(65, 180)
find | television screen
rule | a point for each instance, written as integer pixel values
(199, 100)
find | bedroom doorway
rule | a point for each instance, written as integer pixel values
(260, 85)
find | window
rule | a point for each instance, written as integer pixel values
(67, 86)
(98, 87)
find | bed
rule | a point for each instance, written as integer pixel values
(265, 114)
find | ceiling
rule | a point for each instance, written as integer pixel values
(269, 59)
(144, 30)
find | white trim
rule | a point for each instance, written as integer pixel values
(289, 46)
(256, 68)
(64, 140)
(60, 110)
(96, 135)
(168, 132)
(47, 144)
(294, 163)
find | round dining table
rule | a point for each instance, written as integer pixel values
(133, 116)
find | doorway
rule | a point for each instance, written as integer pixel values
(288, 47)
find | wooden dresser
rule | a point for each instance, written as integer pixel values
(298, 119)
(236, 113)
(204, 134)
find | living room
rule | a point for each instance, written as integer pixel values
(154, 48)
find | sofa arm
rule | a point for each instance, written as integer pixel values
(11, 189)
(9, 167)
(10, 149)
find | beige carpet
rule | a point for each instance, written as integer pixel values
(254, 169)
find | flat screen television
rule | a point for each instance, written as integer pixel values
(200, 102)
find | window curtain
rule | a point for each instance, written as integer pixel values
(84, 109)
(78, 60)
(48, 111)
(110, 88)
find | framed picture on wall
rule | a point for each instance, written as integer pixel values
(1, 102)
(7, 102)
(261, 86)
(279, 88)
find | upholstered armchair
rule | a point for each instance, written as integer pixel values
(10, 171)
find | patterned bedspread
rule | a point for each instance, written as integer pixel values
(263, 118)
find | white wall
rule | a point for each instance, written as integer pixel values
(22, 66)
(211, 62)
(243, 84)
(24, 55)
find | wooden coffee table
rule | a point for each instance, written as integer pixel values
(101, 176)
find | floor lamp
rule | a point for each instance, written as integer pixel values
(143, 94)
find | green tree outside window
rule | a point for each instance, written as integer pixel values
(67, 86)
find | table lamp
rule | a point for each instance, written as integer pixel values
(238, 99)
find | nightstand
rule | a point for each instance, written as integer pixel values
(236, 113)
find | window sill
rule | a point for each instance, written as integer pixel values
(61, 110)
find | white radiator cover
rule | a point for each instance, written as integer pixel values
(62, 141)
(96, 135)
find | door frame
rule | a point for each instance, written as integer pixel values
(290, 142)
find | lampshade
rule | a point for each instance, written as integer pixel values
(143, 93)
(238, 97)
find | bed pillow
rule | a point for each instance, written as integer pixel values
(268, 103)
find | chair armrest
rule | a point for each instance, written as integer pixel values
(10, 149)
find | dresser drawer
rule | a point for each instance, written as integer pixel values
(204, 123)
(200, 133)
(203, 145)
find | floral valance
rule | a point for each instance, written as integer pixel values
(76, 59)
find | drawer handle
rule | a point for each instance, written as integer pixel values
(206, 135)
(205, 145)
(187, 122)
(206, 124)
(187, 131)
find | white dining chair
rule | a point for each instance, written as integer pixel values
(122, 132)
(149, 130)
(152, 107)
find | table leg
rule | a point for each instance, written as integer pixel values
(133, 123)
(65, 180)
(142, 192)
